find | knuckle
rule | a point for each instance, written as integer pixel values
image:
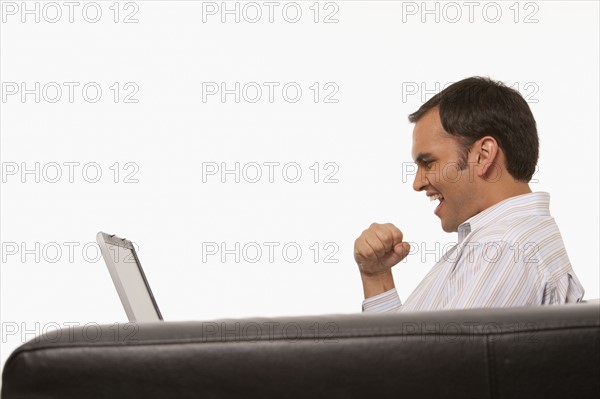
(365, 252)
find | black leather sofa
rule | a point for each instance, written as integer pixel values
(529, 352)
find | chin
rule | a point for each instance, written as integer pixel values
(449, 229)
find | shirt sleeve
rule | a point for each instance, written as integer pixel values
(503, 276)
(388, 301)
(508, 276)
(568, 289)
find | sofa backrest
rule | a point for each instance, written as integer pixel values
(550, 352)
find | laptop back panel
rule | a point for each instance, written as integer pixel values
(129, 279)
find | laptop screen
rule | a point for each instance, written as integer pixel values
(133, 283)
(128, 277)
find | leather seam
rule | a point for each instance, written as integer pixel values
(491, 360)
(238, 339)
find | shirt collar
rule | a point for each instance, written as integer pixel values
(529, 204)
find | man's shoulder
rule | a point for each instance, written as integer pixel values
(531, 228)
(534, 241)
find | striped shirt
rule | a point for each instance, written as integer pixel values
(511, 254)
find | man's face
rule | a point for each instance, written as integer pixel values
(438, 156)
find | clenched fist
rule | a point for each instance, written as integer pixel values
(379, 248)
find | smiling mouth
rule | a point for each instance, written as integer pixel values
(438, 197)
(434, 197)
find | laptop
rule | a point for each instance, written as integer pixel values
(128, 276)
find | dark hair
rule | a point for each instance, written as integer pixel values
(476, 107)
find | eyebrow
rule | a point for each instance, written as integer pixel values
(422, 157)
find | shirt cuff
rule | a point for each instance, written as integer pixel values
(572, 287)
(388, 301)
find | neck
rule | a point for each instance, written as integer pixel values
(499, 191)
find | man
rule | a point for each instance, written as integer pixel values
(476, 148)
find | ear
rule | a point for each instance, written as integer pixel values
(487, 155)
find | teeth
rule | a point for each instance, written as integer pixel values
(436, 197)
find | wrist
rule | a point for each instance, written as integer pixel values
(375, 284)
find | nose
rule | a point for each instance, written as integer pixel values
(420, 181)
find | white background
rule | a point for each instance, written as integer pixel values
(373, 54)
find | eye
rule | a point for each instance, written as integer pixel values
(427, 165)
